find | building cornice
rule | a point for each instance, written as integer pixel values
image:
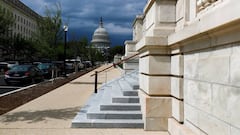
(148, 6)
(23, 8)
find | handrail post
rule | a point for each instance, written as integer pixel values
(96, 75)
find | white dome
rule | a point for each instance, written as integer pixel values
(100, 36)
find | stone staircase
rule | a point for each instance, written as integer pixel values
(116, 105)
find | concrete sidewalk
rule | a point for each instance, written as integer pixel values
(52, 113)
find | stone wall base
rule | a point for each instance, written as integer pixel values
(175, 128)
(156, 111)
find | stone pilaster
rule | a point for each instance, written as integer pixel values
(130, 50)
(155, 85)
(155, 64)
(177, 70)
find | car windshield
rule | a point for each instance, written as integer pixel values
(20, 68)
(43, 66)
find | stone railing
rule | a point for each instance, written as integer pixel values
(202, 4)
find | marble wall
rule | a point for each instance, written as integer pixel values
(211, 90)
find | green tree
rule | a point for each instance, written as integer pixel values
(50, 32)
(6, 21)
(78, 48)
(21, 49)
(116, 50)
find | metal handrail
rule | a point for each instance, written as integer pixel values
(120, 62)
(113, 65)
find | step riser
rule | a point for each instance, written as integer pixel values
(125, 100)
(114, 116)
(130, 93)
(107, 125)
(135, 87)
(119, 108)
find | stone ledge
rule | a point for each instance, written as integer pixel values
(151, 41)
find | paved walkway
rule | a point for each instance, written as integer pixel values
(52, 113)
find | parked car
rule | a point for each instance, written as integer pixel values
(23, 74)
(87, 64)
(71, 64)
(4, 66)
(36, 63)
(12, 64)
(46, 68)
(59, 67)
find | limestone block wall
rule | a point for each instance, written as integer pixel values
(211, 90)
(159, 19)
(180, 14)
(211, 73)
(189, 67)
(138, 28)
(207, 52)
(130, 50)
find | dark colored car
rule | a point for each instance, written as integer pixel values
(46, 68)
(3, 66)
(87, 64)
(23, 74)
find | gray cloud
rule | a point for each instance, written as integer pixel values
(84, 14)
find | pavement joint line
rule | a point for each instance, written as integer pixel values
(26, 87)
(17, 90)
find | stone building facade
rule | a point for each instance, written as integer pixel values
(25, 18)
(25, 21)
(189, 66)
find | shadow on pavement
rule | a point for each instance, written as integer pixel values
(42, 115)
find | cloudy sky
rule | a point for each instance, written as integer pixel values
(83, 16)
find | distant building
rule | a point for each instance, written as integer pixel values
(100, 39)
(25, 19)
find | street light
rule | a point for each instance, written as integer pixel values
(65, 28)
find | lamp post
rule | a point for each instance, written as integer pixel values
(65, 28)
